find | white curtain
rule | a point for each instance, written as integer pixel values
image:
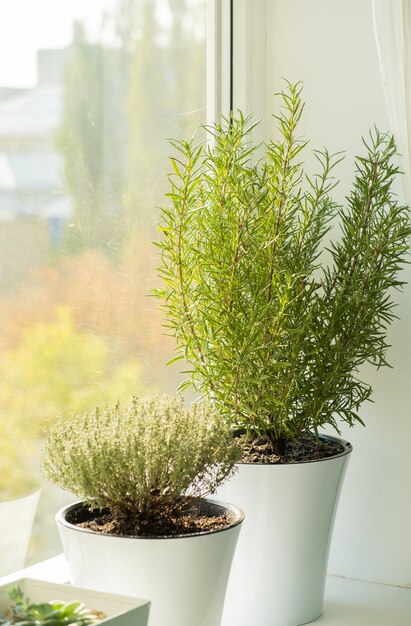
(392, 27)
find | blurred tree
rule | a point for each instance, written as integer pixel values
(58, 369)
(123, 97)
(91, 140)
(17, 460)
(80, 330)
(166, 97)
(107, 300)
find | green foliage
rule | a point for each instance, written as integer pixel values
(140, 461)
(17, 461)
(92, 127)
(163, 99)
(59, 369)
(120, 100)
(56, 613)
(275, 334)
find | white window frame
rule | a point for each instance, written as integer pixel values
(218, 59)
(236, 59)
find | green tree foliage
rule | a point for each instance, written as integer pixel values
(123, 97)
(92, 132)
(59, 369)
(140, 461)
(17, 460)
(164, 97)
(273, 333)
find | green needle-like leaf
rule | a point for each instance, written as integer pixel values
(275, 318)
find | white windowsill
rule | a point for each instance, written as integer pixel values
(347, 602)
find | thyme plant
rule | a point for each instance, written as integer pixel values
(142, 461)
(275, 332)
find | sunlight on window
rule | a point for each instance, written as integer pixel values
(87, 99)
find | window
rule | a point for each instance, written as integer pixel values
(88, 95)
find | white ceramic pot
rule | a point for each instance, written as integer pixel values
(185, 577)
(16, 522)
(278, 572)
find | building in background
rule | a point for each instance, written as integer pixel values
(33, 203)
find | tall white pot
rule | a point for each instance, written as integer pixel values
(16, 521)
(185, 577)
(278, 572)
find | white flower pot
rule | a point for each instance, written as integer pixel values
(278, 572)
(185, 577)
(119, 610)
(16, 522)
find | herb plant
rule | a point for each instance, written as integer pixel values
(55, 613)
(275, 330)
(143, 461)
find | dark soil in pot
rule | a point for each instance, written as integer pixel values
(304, 449)
(201, 516)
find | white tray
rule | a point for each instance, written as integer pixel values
(120, 610)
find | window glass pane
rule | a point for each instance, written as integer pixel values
(89, 92)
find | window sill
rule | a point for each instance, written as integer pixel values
(347, 601)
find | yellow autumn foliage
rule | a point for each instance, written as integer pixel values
(54, 369)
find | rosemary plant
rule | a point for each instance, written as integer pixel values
(274, 329)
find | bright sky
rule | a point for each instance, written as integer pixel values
(26, 25)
